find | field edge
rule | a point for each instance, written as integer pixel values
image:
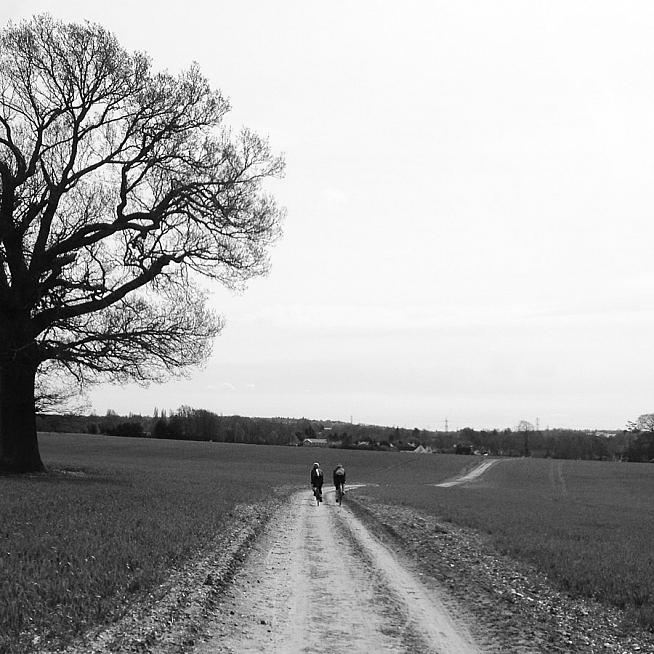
(508, 604)
(172, 616)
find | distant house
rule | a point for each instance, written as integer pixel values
(314, 442)
(421, 449)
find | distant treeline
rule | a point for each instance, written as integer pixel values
(187, 423)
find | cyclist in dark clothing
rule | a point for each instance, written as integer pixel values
(317, 479)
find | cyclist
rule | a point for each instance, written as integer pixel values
(316, 481)
(339, 481)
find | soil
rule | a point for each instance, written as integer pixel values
(365, 577)
(319, 581)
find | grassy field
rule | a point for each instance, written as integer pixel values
(115, 514)
(588, 525)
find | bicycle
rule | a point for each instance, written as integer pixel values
(317, 493)
(340, 491)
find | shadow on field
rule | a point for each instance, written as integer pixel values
(68, 474)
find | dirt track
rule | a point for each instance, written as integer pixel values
(471, 475)
(318, 580)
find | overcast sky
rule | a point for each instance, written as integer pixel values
(470, 198)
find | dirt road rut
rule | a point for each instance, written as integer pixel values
(318, 580)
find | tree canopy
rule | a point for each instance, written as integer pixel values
(120, 189)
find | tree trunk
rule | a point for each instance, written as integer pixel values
(19, 447)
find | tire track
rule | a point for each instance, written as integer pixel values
(318, 580)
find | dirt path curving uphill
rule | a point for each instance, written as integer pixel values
(473, 474)
(318, 580)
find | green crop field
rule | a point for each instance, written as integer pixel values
(115, 515)
(588, 525)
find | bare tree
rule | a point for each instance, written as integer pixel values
(120, 190)
(56, 391)
(645, 422)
